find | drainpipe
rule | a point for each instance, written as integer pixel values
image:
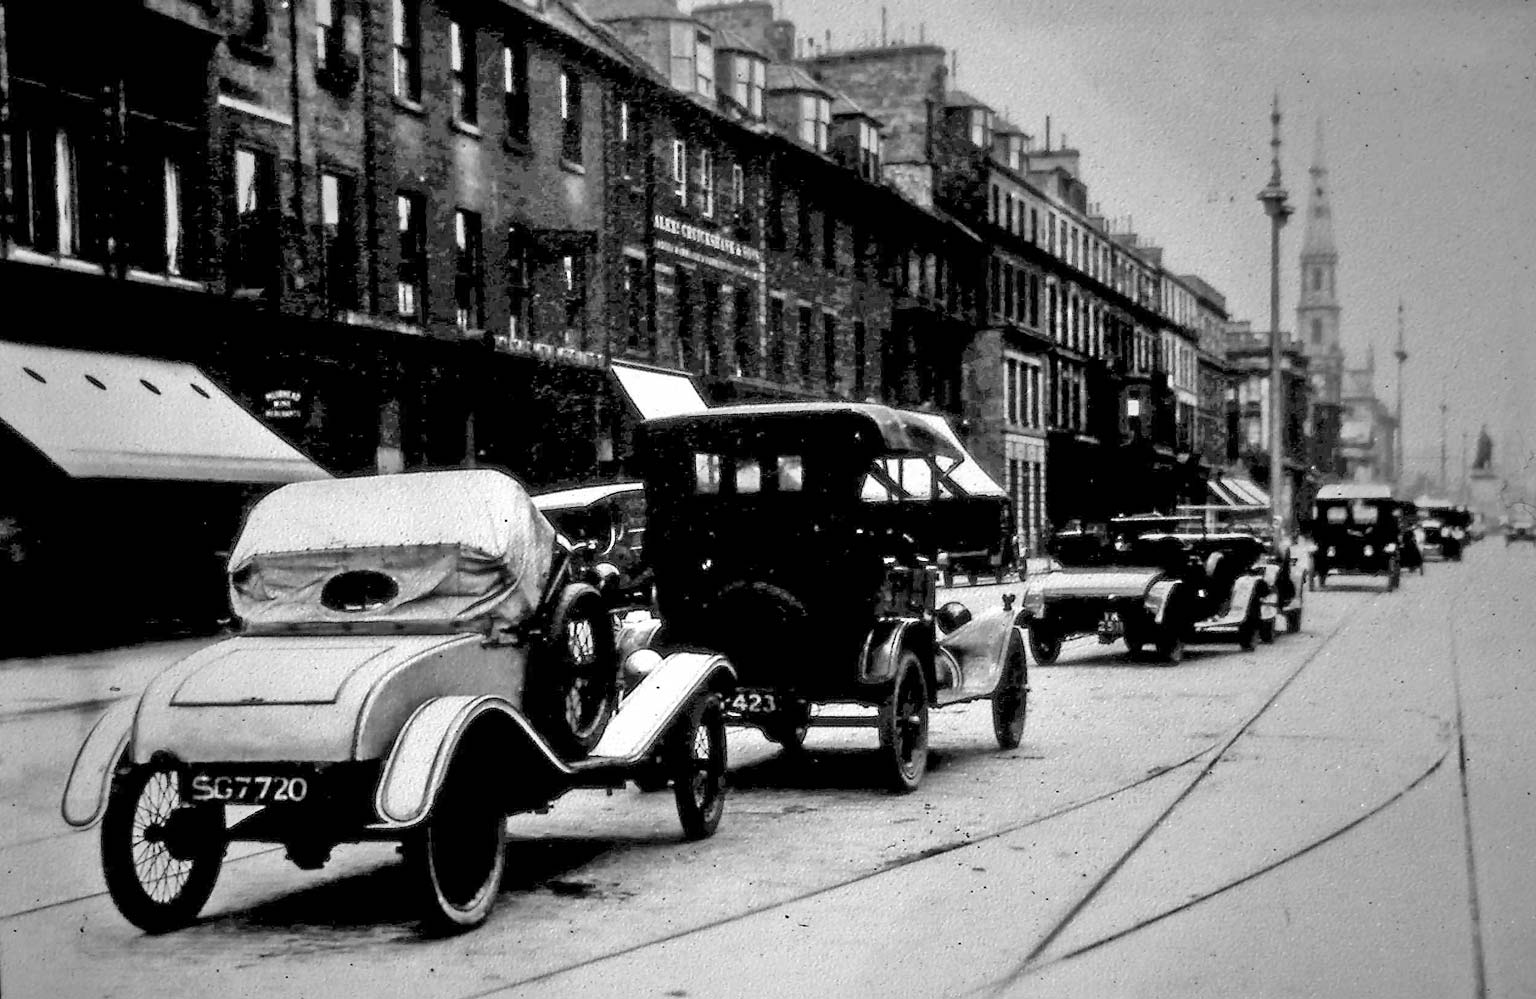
(300, 280)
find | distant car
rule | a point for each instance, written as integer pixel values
(1443, 528)
(1357, 529)
(1520, 529)
(419, 658)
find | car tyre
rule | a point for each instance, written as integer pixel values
(1010, 702)
(1267, 626)
(903, 726)
(1394, 576)
(456, 858)
(160, 857)
(577, 684)
(1293, 616)
(1044, 643)
(696, 758)
(1248, 631)
(1170, 647)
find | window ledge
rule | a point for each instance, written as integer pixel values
(468, 128)
(516, 145)
(406, 104)
(63, 261)
(170, 280)
(570, 166)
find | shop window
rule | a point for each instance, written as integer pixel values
(255, 243)
(338, 224)
(687, 349)
(407, 40)
(570, 116)
(748, 361)
(519, 290)
(710, 323)
(807, 336)
(573, 273)
(871, 151)
(636, 306)
(514, 90)
(462, 64)
(411, 222)
(829, 351)
(469, 271)
(860, 345)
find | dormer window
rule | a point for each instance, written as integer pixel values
(870, 150)
(815, 118)
(748, 76)
(979, 126)
(1013, 152)
(692, 63)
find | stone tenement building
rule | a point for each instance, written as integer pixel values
(414, 233)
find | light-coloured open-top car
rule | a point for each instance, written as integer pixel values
(419, 658)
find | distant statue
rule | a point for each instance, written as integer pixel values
(1484, 460)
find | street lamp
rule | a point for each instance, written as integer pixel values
(1278, 209)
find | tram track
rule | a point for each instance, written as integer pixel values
(1032, 962)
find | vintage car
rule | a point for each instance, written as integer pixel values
(1283, 570)
(1151, 580)
(1442, 528)
(1521, 526)
(801, 540)
(606, 524)
(1356, 529)
(417, 660)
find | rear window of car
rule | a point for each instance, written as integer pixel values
(1336, 514)
(1364, 513)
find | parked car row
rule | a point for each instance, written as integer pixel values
(1160, 582)
(421, 655)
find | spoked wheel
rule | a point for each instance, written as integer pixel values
(578, 679)
(789, 727)
(696, 758)
(160, 857)
(903, 724)
(457, 857)
(1044, 643)
(1010, 702)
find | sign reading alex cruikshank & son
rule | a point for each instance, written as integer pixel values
(747, 260)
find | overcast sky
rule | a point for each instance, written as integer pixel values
(1429, 113)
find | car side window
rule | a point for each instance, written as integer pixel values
(791, 473)
(749, 477)
(1336, 515)
(706, 473)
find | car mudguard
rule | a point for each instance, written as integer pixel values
(1158, 599)
(417, 763)
(85, 792)
(1243, 596)
(656, 703)
(883, 645)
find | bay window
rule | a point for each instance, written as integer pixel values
(815, 118)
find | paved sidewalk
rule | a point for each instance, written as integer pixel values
(91, 679)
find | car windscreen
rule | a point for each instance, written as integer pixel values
(1364, 513)
(890, 479)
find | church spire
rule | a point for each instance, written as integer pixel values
(1318, 239)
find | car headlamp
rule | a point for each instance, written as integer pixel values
(1332, 551)
(1390, 548)
(1369, 551)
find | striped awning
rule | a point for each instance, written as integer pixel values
(1235, 491)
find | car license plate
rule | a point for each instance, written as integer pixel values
(247, 788)
(1111, 626)
(752, 702)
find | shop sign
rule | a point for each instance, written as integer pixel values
(550, 352)
(706, 238)
(283, 404)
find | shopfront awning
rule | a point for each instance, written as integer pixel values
(657, 392)
(113, 416)
(1234, 491)
(968, 475)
